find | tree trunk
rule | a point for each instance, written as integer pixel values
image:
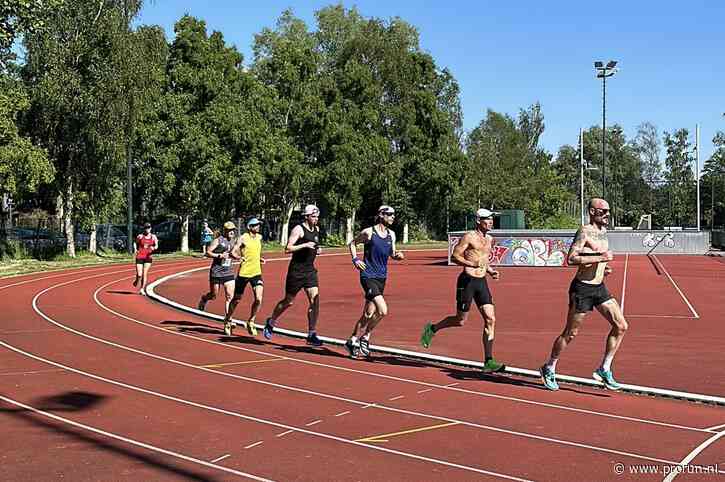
(350, 227)
(185, 234)
(405, 233)
(93, 241)
(70, 243)
(285, 224)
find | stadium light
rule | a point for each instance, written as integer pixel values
(602, 73)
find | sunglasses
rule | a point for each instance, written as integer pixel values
(601, 211)
(388, 214)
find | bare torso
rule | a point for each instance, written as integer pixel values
(477, 251)
(595, 242)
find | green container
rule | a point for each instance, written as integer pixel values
(511, 219)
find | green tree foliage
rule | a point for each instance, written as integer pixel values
(713, 183)
(680, 179)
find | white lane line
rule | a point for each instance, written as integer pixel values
(34, 372)
(663, 316)
(265, 421)
(312, 423)
(218, 459)
(343, 413)
(330, 396)
(452, 384)
(396, 398)
(131, 441)
(686, 461)
(689, 305)
(253, 445)
(716, 427)
(399, 379)
(624, 281)
(284, 433)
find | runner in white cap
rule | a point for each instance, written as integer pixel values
(379, 245)
(304, 244)
(472, 252)
(248, 248)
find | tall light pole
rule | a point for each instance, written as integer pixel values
(583, 166)
(604, 71)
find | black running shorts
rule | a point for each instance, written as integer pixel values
(241, 283)
(373, 287)
(468, 289)
(296, 281)
(584, 296)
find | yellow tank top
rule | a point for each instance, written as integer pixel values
(252, 252)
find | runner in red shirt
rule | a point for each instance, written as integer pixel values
(146, 243)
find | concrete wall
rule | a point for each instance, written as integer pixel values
(549, 247)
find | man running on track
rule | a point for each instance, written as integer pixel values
(221, 273)
(146, 244)
(472, 252)
(248, 248)
(590, 253)
(304, 244)
(379, 245)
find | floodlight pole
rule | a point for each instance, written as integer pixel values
(697, 171)
(581, 168)
(604, 71)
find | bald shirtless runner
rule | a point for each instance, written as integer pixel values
(590, 253)
(472, 252)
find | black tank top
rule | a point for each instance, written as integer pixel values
(303, 261)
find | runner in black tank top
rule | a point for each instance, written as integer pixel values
(304, 244)
(221, 274)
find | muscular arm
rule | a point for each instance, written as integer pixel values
(294, 236)
(576, 255)
(362, 238)
(238, 247)
(210, 249)
(457, 255)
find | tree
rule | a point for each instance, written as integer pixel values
(647, 145)
(680, 178)
(714, 177)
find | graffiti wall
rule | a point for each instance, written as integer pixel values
(524, 251)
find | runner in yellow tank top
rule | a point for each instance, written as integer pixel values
(249, 248)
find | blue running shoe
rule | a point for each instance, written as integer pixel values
(268, 329)
(549, 378)
(313, 340)
(606, 377)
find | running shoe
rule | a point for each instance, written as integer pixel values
(427, 335)
(251, 328)
(352, 350)
(365, 347)
(548, 377)
(492, 366)
(202, 304)
(135, 281)
(606, 377)
(142, 292)
(228, 328)
(268, 329)
(313, 340)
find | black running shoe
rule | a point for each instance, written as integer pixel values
(365, 347)
(313, 340)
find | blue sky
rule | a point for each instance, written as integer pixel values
(508, 55)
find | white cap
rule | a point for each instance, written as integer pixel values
(310, 210)
(484, 213)
(385, 209)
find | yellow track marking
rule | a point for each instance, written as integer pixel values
(219, 365)
(384, 437)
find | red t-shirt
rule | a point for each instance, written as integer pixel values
(144, 244)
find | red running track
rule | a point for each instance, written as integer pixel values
(101, 384)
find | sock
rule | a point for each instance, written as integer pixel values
(353, 339)
(551, 364)
(367, 337)
(607, 363)
(488, 358)
(311, 333)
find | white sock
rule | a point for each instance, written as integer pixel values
(607, 363)
(551, 364)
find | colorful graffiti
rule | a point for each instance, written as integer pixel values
(542, 251)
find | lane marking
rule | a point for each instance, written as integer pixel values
(131, 441)
(265, 421)
(253, 445)
(686, 461)
(624, 282)
(399, 379)
(221, 458)
(716, 427)
(284, 433)
(343, 413)
(452, 384)
(663, 316)
(312, 423)
(220, 365)
(396, 398)
(34, 372)
(689, 305)
(385, 437)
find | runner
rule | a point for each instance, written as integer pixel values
(146, 244)
(590, 253)
(472, 252)
(221, 273)
(304, 244)
(379, 245)
(207, 235)
(248, 248)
